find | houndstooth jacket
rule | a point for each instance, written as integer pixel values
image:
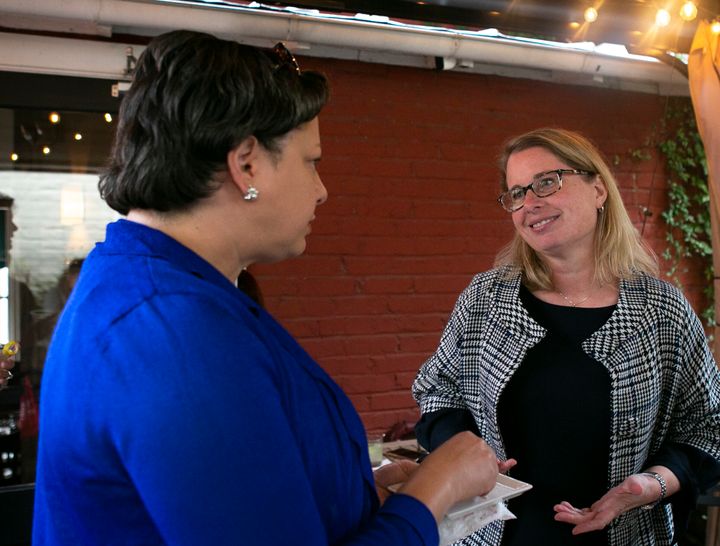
(665, 385)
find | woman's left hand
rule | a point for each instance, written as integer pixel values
(391, 474)
(637, 490)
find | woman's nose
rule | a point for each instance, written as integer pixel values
(531, 199)
(323, 192)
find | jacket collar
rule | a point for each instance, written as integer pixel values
(628, 316)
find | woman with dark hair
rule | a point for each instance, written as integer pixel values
(573, 358)
(174, 409)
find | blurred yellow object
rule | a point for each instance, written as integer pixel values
(10, 348)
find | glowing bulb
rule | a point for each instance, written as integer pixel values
(662, 18)
(108, 117)
(14, 157)
(46, 150)
(688, 11)
(574, 25)
(591, 15)
(715, 27)
(78, 136)
(54, 117)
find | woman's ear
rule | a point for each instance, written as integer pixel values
(242, 163)
(601, 191)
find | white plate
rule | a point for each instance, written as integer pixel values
(505, 488)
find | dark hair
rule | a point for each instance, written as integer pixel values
(75, 265)
(248, 284)
(193, 98)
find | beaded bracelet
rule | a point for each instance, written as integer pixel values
(663, 490)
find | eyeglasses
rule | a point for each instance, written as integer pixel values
(542, 185)
(283, 58)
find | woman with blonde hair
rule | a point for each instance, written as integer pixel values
(573, 358)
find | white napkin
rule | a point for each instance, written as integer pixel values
(455, 528)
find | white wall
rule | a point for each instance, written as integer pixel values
(59, 216)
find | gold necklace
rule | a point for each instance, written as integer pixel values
(571, 302)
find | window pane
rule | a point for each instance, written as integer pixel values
(4, 282)
(4, 321)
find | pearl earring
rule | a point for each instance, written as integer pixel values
(252, 194)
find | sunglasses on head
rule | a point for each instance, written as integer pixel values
(283, 58)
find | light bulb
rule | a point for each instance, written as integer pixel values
(78, 136)
(715, 27)
(54, 117)
(662, 18)
(46, 150)
(688, 11)
(591, 15)
(14, 157)
(108, 117)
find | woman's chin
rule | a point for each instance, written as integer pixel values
(290, 251)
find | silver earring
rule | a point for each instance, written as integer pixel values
(600, 210)
(252, 194)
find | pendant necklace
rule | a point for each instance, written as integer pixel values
(571, 302)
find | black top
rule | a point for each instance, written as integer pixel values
(554, 417)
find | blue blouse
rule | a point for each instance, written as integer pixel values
(175, 410)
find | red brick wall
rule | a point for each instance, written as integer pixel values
(409, 163)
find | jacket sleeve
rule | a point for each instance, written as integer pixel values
(401, 520)
(696, 470)
(691, 447)
(437, 385)
(691, 450)
(695, 417)
(435, 428)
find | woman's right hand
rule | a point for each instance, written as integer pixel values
(461, 468)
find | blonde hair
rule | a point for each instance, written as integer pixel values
(619, 251)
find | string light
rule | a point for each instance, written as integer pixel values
(590, 15)
(46, 150)
(688, 11)
(14, 157)
(662, 18)
(54, 117)
(78, 136)
(108, 117)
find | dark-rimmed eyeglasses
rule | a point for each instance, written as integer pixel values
(542, 185)
(283, 58)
